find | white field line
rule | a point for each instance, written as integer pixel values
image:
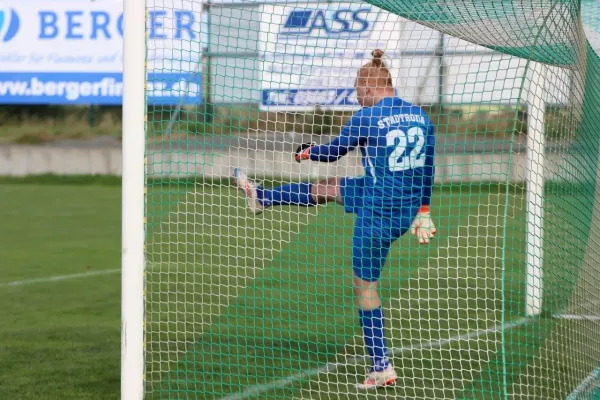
(594, 375)
(58, 278)
(581, 312)
(80, 275)
(587, 304)
(354, 360)
(577, 317)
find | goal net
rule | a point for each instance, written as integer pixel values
(504, 302)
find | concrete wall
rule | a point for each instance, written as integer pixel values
(17, 160)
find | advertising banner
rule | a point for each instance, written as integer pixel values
(71, 52)
(311, 54)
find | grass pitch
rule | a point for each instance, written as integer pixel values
(232, 299)
(60, 339)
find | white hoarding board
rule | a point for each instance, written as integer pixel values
(311, 53)
(71, 52)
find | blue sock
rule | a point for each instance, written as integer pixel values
(293, 193)
(372, 325)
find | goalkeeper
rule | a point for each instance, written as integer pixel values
(397, 142)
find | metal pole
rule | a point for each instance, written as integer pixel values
(208, 109)
(442, 70)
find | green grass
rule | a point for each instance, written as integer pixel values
(263, 327)
(231, 298)
(60, 340)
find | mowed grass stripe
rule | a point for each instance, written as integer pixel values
(205, 252)
(270, 329)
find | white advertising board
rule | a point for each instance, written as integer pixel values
(71, 52)
(311, 53)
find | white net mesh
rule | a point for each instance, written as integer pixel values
(503, 302)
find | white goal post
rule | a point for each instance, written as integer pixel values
(536, 146)
(132, 300)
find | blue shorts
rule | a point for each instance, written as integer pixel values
(352, 191)
(374, 231)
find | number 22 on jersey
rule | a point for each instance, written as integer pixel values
(398, 160)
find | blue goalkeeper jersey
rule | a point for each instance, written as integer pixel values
(397, 142)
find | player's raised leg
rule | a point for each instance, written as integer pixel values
(304, 194)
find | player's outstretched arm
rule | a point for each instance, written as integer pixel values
(330, 152)
(347, 141)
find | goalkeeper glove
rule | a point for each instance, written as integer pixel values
(422, 226)
(303, 151)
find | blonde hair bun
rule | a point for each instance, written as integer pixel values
(377, 56)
